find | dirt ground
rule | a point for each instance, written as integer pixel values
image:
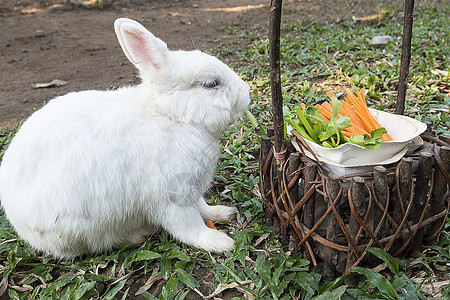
(43, 40)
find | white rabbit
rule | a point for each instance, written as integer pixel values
(93, 169)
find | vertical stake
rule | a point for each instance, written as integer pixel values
(405, 57)
(275, 76)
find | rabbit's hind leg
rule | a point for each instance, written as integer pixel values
(186, 225)
(215, 213)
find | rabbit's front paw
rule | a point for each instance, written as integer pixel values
(217, 213)
(215, 241)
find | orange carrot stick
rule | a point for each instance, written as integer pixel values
(360, 94)
(354, 107)
(210, 224)
(331, 95)
(367, 125)
(358, 107)
(328, 106)
(358, 130)
(366, 111)
(347, 133)
(303, 106)
(349, 112)
(324, 112)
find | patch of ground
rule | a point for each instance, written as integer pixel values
(43, 40)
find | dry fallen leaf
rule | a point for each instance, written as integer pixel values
(53, 83)
(222, 287)
(237, 9)
(155, 277)
(415, 89)
(372, 18)
(261, 239)
(3, 286)
(100, 266)
(439, 72)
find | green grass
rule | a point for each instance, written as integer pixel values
(320, 57)
(316, 58)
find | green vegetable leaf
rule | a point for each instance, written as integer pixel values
(313, 112)
(377, 133)
(372, 141)
(294, 122)
(331, 135)
(337, 106)
(306, 124)
(342, 123)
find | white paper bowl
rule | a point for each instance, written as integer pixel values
(350, 158)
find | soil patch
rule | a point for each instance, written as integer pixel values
(60, 39)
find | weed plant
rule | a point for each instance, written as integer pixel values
(315, 58)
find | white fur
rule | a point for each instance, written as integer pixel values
(93, 169)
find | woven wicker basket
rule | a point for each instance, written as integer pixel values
(334, 219)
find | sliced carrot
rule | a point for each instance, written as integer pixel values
(349, 112)
(365, 109)
(357, 105)
(328, 107)
(347, 133)
(360, 108)
(324, 112)
(303, 106)
(355, 108)
(367, 124)
(377, 125)
(210, 224)
(331, 95)
(348, 102)
(386, 137)
(358, 130)
(323, 115)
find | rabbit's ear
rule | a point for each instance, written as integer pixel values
(140, 46)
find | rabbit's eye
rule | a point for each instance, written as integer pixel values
(212, 83)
